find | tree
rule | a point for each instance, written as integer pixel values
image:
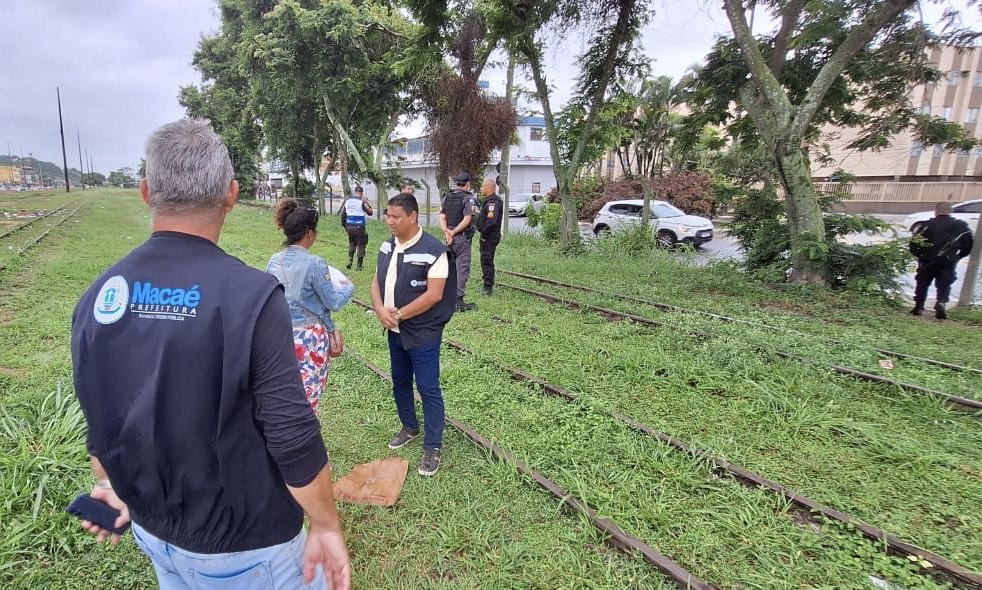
(121, 177)
(453, 101)
(615, 25)
(847, 62)
(223, 97)
(336, 65)
(94, 179)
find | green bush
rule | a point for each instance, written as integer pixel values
(551, 218)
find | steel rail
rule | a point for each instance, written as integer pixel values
(616, 536)
(746, 476)
(723, 318)
(955, 400)
(38, 239)
(34, 220)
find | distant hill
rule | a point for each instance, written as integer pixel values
(48, 169)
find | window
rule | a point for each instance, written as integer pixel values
(969, 208)
(953, 77)
(964, 153)
(926, 109)
(978, 79)
(946, 113)
(972, 115)
(916, 148)
(938, 150)
(537, 134)
(536, 187)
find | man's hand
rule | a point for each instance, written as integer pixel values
(108, 496)
(387, 317)
(327, 549)
(448, 236)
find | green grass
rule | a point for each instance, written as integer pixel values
(900, 461)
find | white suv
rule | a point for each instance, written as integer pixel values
(670, 223)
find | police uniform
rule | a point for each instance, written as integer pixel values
(457, 205)
(938, 244)
(489, 224)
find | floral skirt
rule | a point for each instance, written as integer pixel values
(311, 345)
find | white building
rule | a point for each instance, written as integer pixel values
(531, 164)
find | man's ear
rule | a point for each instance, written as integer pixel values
(233, 195)
(145, 191)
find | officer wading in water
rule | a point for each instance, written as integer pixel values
(455, 220)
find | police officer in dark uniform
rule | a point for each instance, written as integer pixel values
(455, 221)
(939, 244)
(489, 224)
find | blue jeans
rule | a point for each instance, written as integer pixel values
(270, 568)
(423, 362)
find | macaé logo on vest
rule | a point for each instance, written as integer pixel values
(110, 303)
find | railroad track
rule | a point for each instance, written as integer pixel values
(37, 239)
(960, 402)
(32, 221)
(942, 568)
(728, 319)
(615, 535)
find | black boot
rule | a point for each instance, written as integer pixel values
(487, 290)
(939, 311)
(351, 258)
(361, 259)
(918, 309)
(462, 306)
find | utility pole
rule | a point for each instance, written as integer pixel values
(10, 164)
(81, 168)
(64, 154)
(967, 294)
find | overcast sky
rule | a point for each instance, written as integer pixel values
(120, 63)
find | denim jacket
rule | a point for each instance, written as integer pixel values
(307, 281)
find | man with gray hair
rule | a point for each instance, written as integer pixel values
(939, 243)
(199, 430)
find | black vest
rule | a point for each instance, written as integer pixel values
(453, 208)
(162, 343)
(411, 282)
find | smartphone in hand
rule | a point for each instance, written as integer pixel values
(85, 507)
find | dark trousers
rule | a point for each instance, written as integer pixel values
(357, 238)
(942, 273)
(488, 246)
(461, 248)
(423, 363)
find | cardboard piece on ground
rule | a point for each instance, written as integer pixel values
(378, 483)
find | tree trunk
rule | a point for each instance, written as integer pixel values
(569, 230)
(506, 151)
(805, 222)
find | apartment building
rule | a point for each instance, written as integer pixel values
(957, 97)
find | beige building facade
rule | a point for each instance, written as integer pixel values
(957, 97)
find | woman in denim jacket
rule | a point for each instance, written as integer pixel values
(310, 292)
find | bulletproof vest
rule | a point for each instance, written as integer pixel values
(453, 208)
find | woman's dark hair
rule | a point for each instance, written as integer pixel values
(295, 220)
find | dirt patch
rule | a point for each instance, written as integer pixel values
(12, 372)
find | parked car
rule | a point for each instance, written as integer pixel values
(967, 212)
(670, 223)
(518, 204)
